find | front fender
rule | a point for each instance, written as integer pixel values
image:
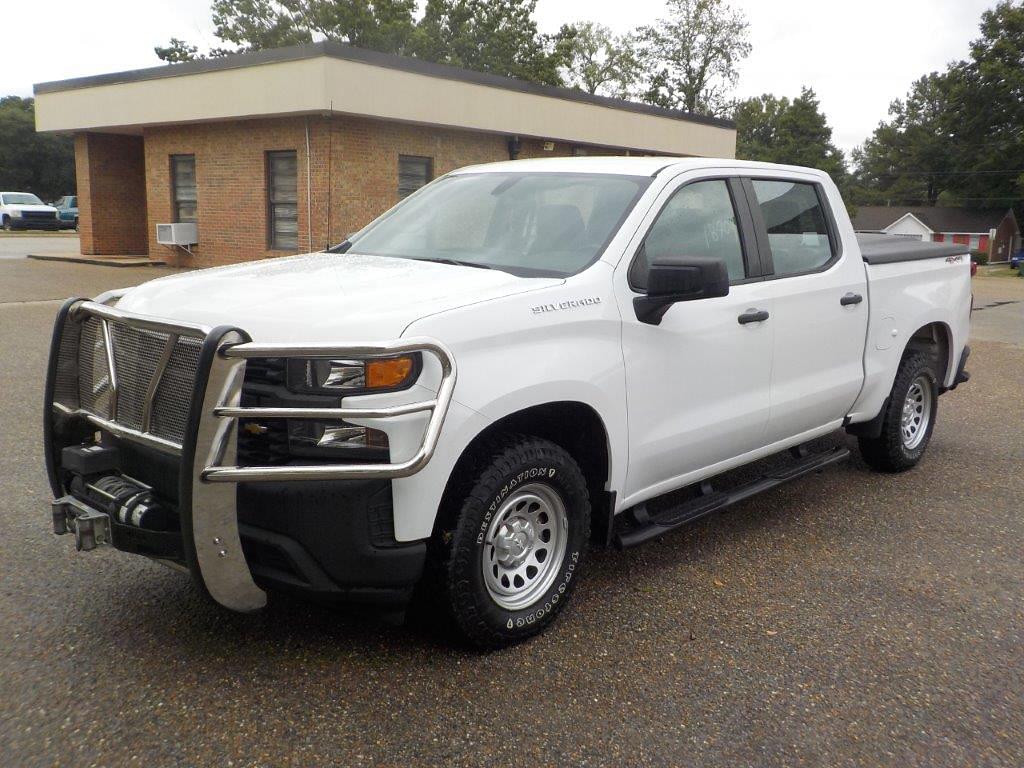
(512, 357)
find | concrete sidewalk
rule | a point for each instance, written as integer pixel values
(106, 261)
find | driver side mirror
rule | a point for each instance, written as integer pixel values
(680, 278)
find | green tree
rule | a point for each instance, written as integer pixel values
(757, 126)
(33, 162)
(991, 110)
(691, 56)
(910, 159)
(595, 60)
(177, 51)
(250, 25)
(777, 130)
(496, 36)
(958, 137)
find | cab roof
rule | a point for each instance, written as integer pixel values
(625, 166)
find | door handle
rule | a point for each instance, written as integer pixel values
(851, 298)
(753, 316)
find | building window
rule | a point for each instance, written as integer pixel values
(282, 200)
(183, 187)
(413, 173)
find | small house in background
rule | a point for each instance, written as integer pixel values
(994, 231)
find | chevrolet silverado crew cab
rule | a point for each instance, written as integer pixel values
(515, 360)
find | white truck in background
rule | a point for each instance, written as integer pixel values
(515, 360)
(23, 210)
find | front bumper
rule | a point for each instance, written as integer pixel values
(205, 483)
(46, 225)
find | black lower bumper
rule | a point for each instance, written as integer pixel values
(331, 540)
(45, 225)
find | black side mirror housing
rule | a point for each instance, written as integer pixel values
(680, 278)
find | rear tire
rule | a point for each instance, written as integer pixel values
(909, 416)
(511, 540)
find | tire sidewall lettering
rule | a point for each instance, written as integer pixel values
(553, 596)
(534, 473)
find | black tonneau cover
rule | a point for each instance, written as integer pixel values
(887, 249)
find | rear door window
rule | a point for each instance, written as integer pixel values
(794, 217)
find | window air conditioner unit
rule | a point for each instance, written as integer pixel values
(177, 234)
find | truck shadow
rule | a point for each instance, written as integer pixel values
(190, 626)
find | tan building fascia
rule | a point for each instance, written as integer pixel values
(315, 82)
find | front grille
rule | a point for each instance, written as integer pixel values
(174, 394)
(137, 354)
(263, 443)
(39, 215)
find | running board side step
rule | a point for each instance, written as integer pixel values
(649, 526)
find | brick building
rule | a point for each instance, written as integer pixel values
(288, 150)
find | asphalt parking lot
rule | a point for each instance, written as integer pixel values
(16, 245)
(849, 618)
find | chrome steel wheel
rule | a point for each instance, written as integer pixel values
(917, 412)
(525, 546)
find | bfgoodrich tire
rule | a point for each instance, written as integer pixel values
(909, 416)
(512, 540)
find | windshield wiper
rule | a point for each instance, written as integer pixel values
(341, 247)
(458, 263)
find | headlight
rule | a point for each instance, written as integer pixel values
(16, 214)
(346, 377)
(339, 436)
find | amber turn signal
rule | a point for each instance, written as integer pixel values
(389, 372)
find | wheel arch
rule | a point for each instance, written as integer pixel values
(576, 427)
(937, 338)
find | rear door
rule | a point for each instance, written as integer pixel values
(697, 383)
(820, 313)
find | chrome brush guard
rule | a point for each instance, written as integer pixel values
(131, 397)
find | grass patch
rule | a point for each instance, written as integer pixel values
(997, 270)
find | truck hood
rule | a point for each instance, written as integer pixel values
(322, 296)
(26, 207)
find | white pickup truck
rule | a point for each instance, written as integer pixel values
(516, 360)
(23, 210)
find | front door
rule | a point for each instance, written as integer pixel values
(697, 383)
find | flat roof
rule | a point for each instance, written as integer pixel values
(331, 77)
(336, 50)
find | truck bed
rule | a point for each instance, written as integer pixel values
(889, 249)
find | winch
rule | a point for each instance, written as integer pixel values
(100, 494)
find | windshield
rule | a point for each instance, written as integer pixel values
(529, 224)
(21, 198)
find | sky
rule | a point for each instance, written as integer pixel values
(858, 56)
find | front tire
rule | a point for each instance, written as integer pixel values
(909, 416)
(512, 540)
(7, 224)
